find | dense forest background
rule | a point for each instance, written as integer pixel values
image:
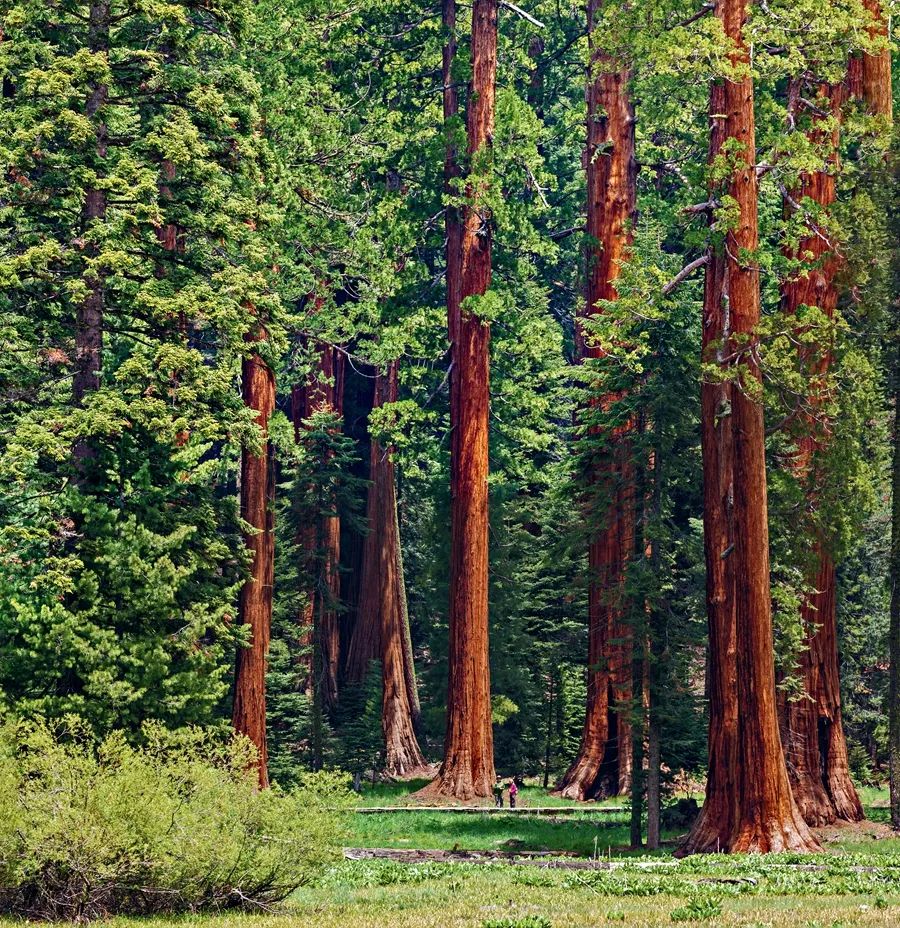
(223, 315)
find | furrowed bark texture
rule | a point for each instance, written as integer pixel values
(257, 509)
(869, 76)
(717, 815)
(611, 195)
(383, 602)
(467, 770)
(870, 80)
(812, 727)
(764, 816)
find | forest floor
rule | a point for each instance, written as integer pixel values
(855, 883)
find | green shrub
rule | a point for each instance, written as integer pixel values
(698, 909)
(527, 921)
(89, 829)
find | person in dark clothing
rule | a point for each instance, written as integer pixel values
(498, 793)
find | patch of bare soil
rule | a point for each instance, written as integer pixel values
(844, 831)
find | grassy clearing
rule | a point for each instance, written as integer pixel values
(582, 834)
(753, 892)
(855, 885)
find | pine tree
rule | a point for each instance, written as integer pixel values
(118, 427)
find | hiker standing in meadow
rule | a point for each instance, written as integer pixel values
(513, 792)
(498, 793)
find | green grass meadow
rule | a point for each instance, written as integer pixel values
(856, 883)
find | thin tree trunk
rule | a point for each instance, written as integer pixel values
(89, 314)
(467, 771)
(611, 169)
(383, 603)
(763, 816)
(548, 742)
(257, 509)
(815, 749)
(306, 545)
(320, 544)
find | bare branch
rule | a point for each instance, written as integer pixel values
(684, 273)
(522, 13)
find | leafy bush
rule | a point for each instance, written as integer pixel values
(527, 921)
(89, 829)
(698, 909)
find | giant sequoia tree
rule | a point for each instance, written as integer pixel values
(750, 807)
(611, 168)
(813, 734)
(467, 770)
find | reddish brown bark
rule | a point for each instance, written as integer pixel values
(869, 76)
(257, 509)
(467, 771)
(320, 539)
(611, 170)
(870, 81)
(717, 815)
(812, 729)
(383, 603)
(763, 816)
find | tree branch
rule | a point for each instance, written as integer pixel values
(522, 13)
(684, 273)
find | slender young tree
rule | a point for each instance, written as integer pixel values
(611, 196)
(758, 812)
(257, 493)
(467, 771)
(320, 537)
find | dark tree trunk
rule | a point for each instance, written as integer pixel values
(306, 545)
(257, 509)
(89, 314)
(611, 170)
(814, 743)
(755, 811)
(467, 771)
(320, 539)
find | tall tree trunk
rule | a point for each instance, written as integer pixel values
(758, 813)
(869, 77)
(611, 169)
(306, 546)
(467, 771)
(383, 601)
(320, 541)
(89, 314)
(257, 509)
(870, 80)
(814, 743)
